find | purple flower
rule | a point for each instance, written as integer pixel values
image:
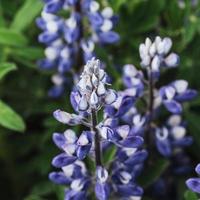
(194, 183)
(65, 38)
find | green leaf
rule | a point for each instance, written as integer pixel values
(109, 154)
(33, 197)
(29, 53)
(5, 68)
(12, 38)
(189, 195)
(154, 171)
(190, 29)
(26, 14)
(10, 119)
(43, 188)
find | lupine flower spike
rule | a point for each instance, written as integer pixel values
(90, 96)
(70, 42)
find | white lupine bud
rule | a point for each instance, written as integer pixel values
(117, 102)
(107, 12)
(52, 26)
(152, 50)
(68, 170)
(162, 134)
(101, 90)
(157, 102)
(130, 70)
(130, 92)
(135, 81)
(138, 120)
(70, 136)
(174, 120)
(157, 41)
(155, 64)
(51, 53)
(107, 25)
(94, 80)
(160, 47)
(48, 16)
(143, 50)
(101, 74)
(148, 43)
(170, 92)
(102, 174)
(71, 23)
(94, 100)
(57, 79)
(178, 132)
(181, 86)
(82, 165)
(65, 53)
(125, 177)
(130, 151)
(83, 104)
(110, 97)
(103, 132)
(146, 61)
(172, 60)
(167, 45)
(123, 131)
(77, 185)
(62, 116)
(83, 140)
(94, 6)
(88, 46)
(57, 43)
(70, 149)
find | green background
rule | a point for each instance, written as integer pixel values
(26, 148)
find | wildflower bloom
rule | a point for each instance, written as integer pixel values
(90, 95)
(65, 38)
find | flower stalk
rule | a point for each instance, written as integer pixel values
(96, 138)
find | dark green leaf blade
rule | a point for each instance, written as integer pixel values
(26, 14)
(12, 38)
(109, 154)
(189, 195)
(10, 119)
(151, 174)
(5, 68)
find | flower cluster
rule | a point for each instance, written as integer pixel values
(90, 95)
(156, 54)
(70, 41)
(172, 136)
(133, 119)
(140, 105)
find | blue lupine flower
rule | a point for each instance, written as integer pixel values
(157, 54)
(66, 41)
(172, 136)
(91, 94)
(102, 188)
(176, 93)
(133, 79)
(194, 183)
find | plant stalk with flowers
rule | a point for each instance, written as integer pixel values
(134, 131)
(71, 41)
(89, 97)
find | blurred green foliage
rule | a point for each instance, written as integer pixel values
(25, 158)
